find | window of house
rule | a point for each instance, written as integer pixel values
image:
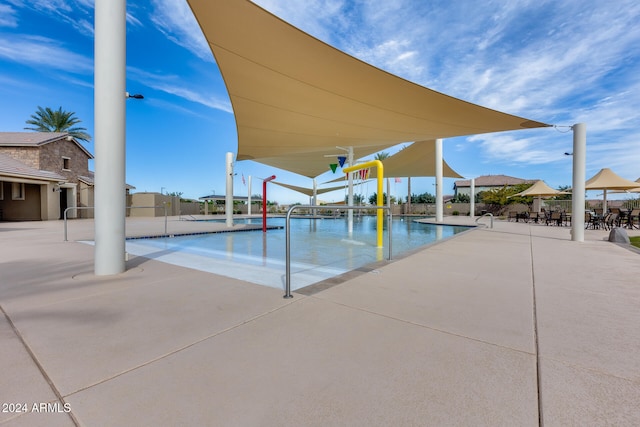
(1, 190)
(17, 191)
(66, 163)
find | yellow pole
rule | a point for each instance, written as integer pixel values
(379, 201)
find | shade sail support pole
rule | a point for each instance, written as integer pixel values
(249, 195)
(350, 195)
(472, 199)
(264, 202)
(314, 200)
(379, 195)
(110, 116)
(438, 167)
(228, 197)
(350, 160)
(388, 193)
(579, 174)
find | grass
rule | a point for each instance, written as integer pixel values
(635, 241)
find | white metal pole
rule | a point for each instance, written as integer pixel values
(388, 193)
(314, 200)
(472, 199)
(109, 117)
(249, 196)
(579, 172)
(350, 196)
(228, 200)
(439, 201)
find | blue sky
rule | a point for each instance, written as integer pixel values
(557, 62)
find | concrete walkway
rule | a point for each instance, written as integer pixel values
(511, 326)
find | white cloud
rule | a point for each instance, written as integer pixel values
(195, 96)
(40, 51)
(78, 14)
(318, 18)
(8, 16)
(174, 85)
(176, 21)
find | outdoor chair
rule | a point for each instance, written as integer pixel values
(513, 215)
(619, 215)
(555, 218)
(623, 218)
(534, 216)
(610, 221)
(634, 218)
(591, 221)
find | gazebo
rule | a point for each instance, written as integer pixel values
(605, 180)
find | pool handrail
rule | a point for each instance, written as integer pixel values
(288, 234)
(489, 214)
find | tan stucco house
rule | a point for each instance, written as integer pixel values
(488, 183)
(42, 174)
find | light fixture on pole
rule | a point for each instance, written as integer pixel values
(135, 95)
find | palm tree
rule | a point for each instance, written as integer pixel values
(381, 156)
(48, 120)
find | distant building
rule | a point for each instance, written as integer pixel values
(42, 174)
(488, 182)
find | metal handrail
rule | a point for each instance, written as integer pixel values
(486, 214)
(127, 207)
(288, 234)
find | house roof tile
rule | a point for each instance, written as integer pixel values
(36, 139)
(12, 167)
(493, 181)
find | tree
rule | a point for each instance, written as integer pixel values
(381, 156)
(567, 196)
(503, 196)
(423, 198)
(461, 198)
(373, 199)
(465, 198)
(48, 120)
(358, 199)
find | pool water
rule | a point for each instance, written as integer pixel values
(320, 248)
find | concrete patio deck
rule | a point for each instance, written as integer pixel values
(514, 325)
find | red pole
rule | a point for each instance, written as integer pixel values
(264, 202)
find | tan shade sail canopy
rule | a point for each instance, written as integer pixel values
(314, 163)
(293, 94)
(539, 189)
(606, 179)
(416, 160)
(308, 191)
(632, 190)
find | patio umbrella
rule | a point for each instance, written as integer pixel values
(605, 180)
(539, 189)
(632, 190)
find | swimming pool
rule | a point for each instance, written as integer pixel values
(320, 249)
